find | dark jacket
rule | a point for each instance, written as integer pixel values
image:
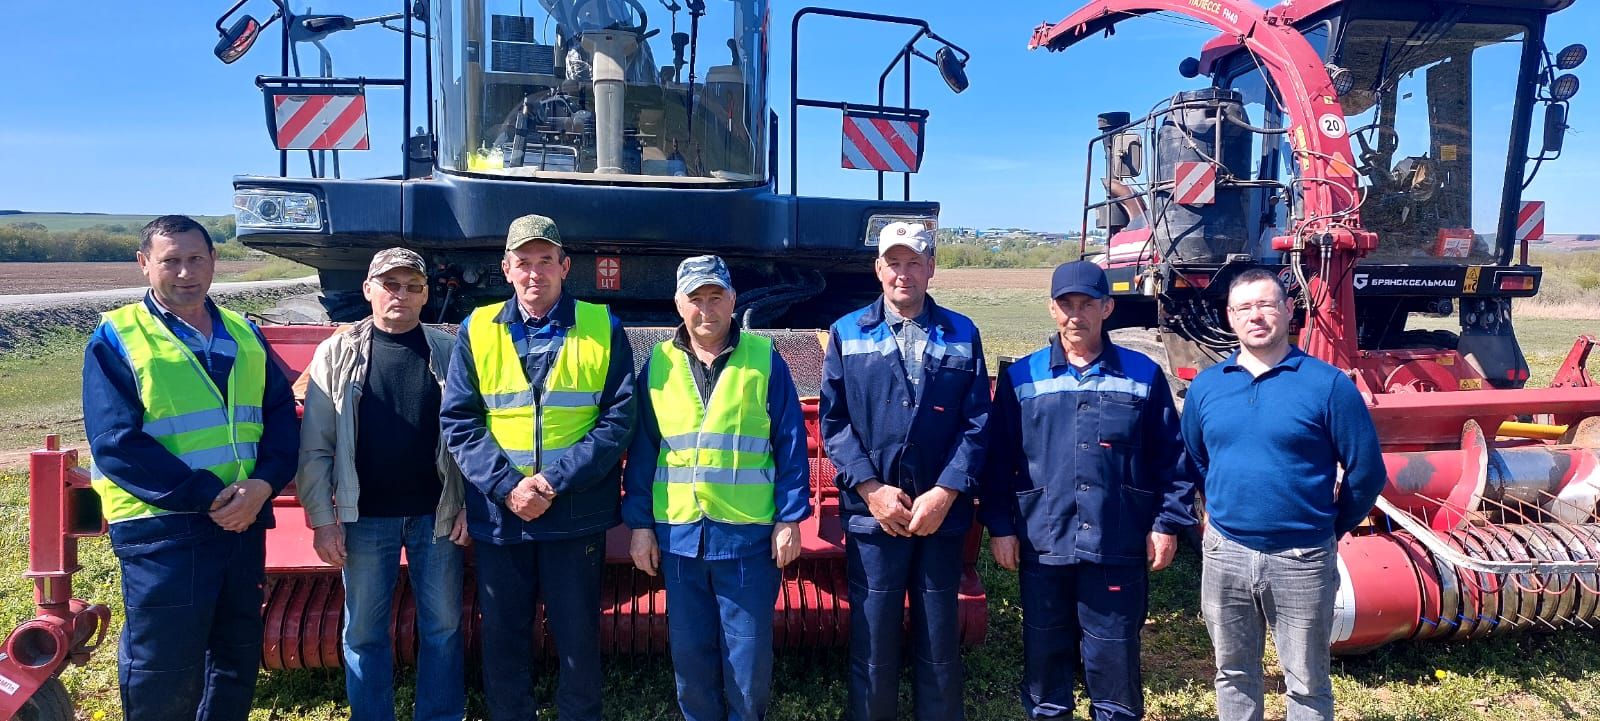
(113, 420)
(872, 428)
(587, 478)
(1084, 464)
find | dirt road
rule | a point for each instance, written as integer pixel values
(27, 317)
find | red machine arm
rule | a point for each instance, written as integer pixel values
(1317, 134)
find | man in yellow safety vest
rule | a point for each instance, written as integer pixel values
(537, 410)
(717, 477)
(193, 430)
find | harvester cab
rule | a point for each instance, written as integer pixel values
(643, 128)
(1426, 113)
(1373, 154)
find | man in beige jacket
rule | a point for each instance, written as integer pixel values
(375, 478)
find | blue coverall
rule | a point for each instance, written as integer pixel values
(1083, 464)
(876, 427)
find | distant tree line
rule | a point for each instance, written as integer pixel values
(954, 251)
(29, 242)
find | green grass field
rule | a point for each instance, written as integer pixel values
(58, 222)
(1520, 678)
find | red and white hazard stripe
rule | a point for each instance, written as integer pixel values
(1530, 221)
(879, 143)
(321, 122)
(1195, 183)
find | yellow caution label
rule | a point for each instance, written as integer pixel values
(1470, 285)
(1447, 153)
(1121, 286)
(1471, 384)
(1447, 360)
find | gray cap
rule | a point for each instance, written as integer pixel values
(530, 228)
(702, 270)
(915, 236)
(391, 258)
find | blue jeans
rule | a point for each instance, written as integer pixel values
(565, 574)
(370, 572)
(1242, 591)
(191, 641)
(1086, 613)
(724, 672)
(884, 571)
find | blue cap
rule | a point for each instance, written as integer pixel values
(1079, 276)
(702, 270)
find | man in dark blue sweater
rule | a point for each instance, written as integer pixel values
(1267, 431)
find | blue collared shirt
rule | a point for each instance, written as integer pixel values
(712, 540)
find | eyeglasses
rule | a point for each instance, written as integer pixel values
(1267, 307)
(394, 286)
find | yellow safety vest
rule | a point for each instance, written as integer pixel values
(183, 408)
(570, 405)
(716, 459)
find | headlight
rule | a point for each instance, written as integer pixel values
(876, 222)
(277, 210)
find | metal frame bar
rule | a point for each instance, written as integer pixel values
(796, 101)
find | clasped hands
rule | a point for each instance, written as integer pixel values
(531, 497)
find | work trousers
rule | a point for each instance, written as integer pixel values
(1086, 613)
(1242, 591)
(512, 578)
(191, 641)
(371, 572)
(723, 672)
(883, 572)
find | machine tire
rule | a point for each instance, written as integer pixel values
(50, 703)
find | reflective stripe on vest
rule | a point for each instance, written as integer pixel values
(570, 404)
(183, 408)
(716, 458)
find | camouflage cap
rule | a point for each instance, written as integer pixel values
(532, 227)
(702, 270)
(390, 258)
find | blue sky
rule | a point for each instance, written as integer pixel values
(114, 107)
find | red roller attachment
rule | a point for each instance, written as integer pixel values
(1379, 598)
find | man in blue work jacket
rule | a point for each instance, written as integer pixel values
(717, 478)
(192, 430)
(537, 410)
(1086, 483)
(904, 399)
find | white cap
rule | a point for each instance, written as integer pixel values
(915, 236)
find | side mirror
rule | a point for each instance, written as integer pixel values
(1555, 128)
(1127, 155)
(237, 40)
(951, 68)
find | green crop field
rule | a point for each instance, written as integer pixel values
(59, 222)
(1517, 678)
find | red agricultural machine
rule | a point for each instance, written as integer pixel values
(607, 116)
(1373, 153)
